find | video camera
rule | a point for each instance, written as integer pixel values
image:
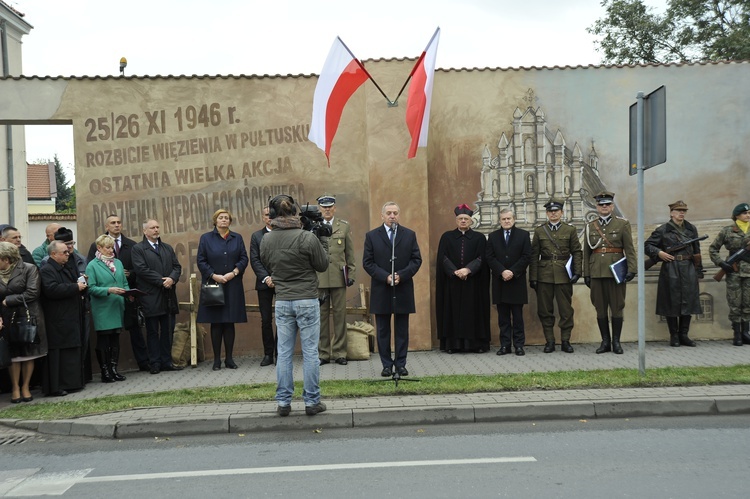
(312, 220)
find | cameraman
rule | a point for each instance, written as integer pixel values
(293, 256)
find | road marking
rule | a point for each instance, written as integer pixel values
(313, 467)
(59, 483)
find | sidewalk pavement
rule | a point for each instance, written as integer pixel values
(408, 409)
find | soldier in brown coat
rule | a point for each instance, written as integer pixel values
(607, 240)
(556, 263)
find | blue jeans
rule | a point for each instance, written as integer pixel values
(290, 315)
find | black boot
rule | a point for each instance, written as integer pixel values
(606, 345)
(684, 328)
(746, 333)
(737, 329)
(102, 358)
(114, 358)
(616, 331)
(674, 331)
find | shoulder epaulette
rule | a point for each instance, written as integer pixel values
(343, 221)
(621, 218)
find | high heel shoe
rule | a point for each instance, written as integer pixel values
(217, 365)
(16, 401)
(230, 364)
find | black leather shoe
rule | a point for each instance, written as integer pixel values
(684, 340)
(155, 369)
(27, 399)
(284, 410)
(267, 361)
(217, 365)
(58, 393)
(144, 367)
(549, 348)
(386, 372)
(324, 362)
(520, 351)
(402, 371)
(342, 361)
(229, 363)
(18, 400)
(567, 347)
(503, 351)
(171, 367)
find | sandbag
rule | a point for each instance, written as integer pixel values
(358, 342)
(181, 344)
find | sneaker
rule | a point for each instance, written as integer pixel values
(312, 410)
(284, 410)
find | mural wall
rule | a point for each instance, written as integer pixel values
(178, 148)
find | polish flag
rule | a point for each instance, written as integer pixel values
(342, 75)
(420, 95)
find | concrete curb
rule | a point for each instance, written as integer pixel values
(119, 425)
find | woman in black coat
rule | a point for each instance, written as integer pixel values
(222, 258)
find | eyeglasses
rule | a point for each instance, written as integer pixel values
(66, 253)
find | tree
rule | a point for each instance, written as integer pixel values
(65, 193)
(689, 31)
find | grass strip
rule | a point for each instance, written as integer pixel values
(433, 385)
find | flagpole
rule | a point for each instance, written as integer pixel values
(416, 64)
(366, 72)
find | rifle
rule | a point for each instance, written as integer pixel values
(677, 247)
(732, 260)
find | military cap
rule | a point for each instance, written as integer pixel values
(605, 197)
(64, 235)
(463, 209)
(326, 200)
(740, 208)
(554, 204)
(678, 205)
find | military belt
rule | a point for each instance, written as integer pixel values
(607, 250)
(680, 258)
(555, 257)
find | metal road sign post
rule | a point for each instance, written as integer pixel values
(648, 147)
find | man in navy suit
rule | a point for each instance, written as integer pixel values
(508, 255)
(392, 287)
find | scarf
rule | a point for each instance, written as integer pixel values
(109, 261)
(743, 225)
(5, 274)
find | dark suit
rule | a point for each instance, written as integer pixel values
(159, 304)
(397, 300)
(509, 296)
(137, 342)
(265, 294)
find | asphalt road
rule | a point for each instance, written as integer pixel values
(644, 457)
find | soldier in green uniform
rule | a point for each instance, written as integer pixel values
(734, 238)
(556, 264)
(607, 239)
(332, 284)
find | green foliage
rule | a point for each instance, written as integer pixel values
(434, 385)
(66, 200)
(689, 31)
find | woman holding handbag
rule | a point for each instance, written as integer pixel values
(222, 259)
(20, 282)
(107, 286)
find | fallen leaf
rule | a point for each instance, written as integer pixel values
(318, 430)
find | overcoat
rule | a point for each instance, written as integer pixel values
(340, 253)
(24, 284)
(150, 267)
(261, 272)
(376, 261)
(217, 255)
(515, 256)
(107, 309)
(61, 300)
(678, 292)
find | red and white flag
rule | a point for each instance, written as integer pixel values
(342, 75)
(420, 95)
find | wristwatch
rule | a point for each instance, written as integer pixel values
(235, 272)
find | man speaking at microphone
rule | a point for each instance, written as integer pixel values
(391, 257)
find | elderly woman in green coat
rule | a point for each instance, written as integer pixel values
(107, 287)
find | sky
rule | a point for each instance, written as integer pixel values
(234, 37)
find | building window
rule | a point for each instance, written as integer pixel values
(530, 188)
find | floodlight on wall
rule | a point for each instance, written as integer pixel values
(123, 65)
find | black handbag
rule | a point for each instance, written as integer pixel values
(4, 353)
(23, 327)
(212, 294)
